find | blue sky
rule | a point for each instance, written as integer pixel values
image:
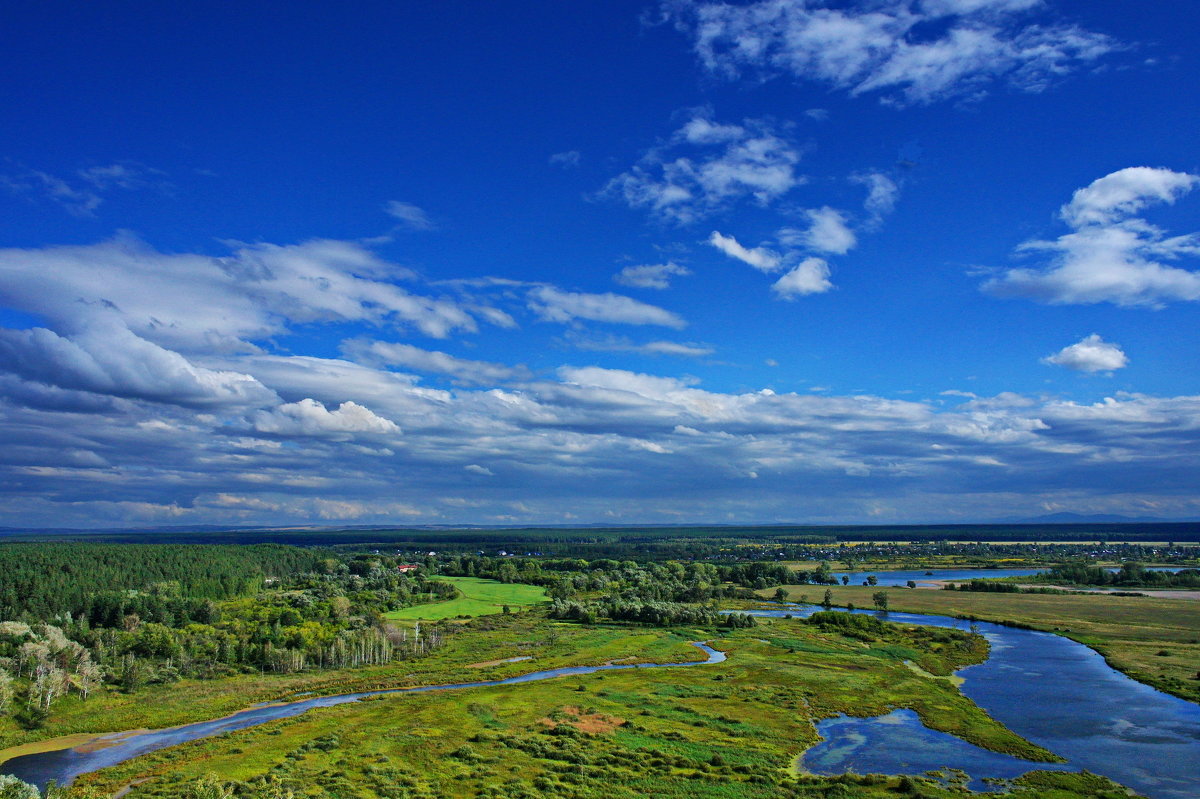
(778, 261)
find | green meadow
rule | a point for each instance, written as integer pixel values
(477, 597)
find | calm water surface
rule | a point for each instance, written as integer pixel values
(899, 743)
(1058, 694)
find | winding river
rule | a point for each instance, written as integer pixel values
(1050, 689)
(64, 765)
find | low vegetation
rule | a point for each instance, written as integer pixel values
(726, 730)
(1153, 640)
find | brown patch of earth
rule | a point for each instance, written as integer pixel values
(591, 723)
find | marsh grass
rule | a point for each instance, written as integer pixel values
(1128, 631)
(723, 730)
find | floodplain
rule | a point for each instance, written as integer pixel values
(158, 646)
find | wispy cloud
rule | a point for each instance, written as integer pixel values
(623, 344)
(556, 305)
(464, 370)
(910, 51)
(82, 193)
(705, 166)
(409, 215)
(650, 276)
(567, 160)
(761, 258)
(882, 193)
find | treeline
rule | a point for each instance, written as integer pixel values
(671, 581)
(657, 614)
(43, 581)
(1130, 574)
(822, 575)
(995, 587)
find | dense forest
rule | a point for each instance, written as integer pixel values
(52, 579)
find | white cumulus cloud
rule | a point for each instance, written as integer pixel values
(111, 360)
(828, 232)
(311, 418)
(1125, 192)
(810, 276)
(1091, 354)
(1112, 255)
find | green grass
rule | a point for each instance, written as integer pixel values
(723, 731)
(478, 597)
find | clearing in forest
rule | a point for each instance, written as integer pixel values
(477, 597)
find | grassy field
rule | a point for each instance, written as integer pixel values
(1156, 641)
(477, 597)
(727, 730)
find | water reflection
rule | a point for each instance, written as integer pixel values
(899, 743)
